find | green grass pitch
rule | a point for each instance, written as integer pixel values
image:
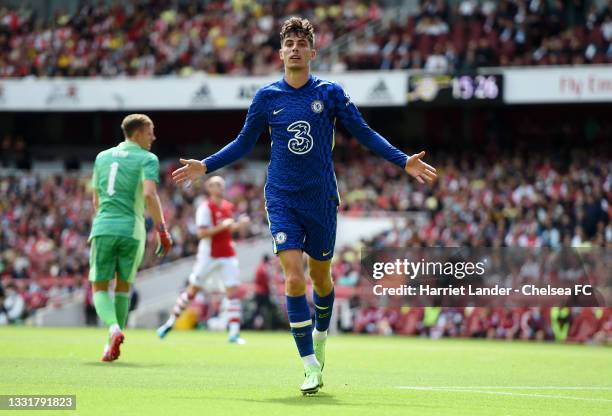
(199, 373)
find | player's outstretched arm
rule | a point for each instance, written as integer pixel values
(353, 120)
(420, 170)
(164, 241)
(237, 149)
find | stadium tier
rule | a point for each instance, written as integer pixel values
(469, 34)
(159, 38)
(146, 38)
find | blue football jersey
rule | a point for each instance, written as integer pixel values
(302, 124)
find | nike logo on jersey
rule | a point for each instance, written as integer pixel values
(325, 254)
(275, 112)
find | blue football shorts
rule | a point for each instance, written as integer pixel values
(312, 230)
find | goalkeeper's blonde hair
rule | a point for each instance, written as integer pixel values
(134, 122)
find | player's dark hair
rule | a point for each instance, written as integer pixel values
(133, 122)
(300, 27)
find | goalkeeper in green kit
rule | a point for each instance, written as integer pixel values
(124, 179)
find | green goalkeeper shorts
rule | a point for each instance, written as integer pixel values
(112, 254)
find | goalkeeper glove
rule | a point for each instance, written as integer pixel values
(164, 241)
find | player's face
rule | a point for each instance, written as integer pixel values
(147, 137)
(215, 188)
(296, 52)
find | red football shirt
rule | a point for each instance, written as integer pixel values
(209, 215)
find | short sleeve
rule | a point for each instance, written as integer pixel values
(151, 168)
(203, 216)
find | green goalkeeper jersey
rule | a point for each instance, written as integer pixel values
(118, 177)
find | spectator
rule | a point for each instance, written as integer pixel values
(14, 306)
(266, 315)
(437, 62)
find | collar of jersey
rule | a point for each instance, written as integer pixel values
(126, 143)
(308, 83)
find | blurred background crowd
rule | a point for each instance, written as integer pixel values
(162, 37)
(509, 201)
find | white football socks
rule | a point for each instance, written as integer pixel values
(310, 360)
(234, 329)
(319, 335)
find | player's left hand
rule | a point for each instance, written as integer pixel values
(420, 170)
(164, 241)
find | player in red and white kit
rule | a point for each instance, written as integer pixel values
(216, 253)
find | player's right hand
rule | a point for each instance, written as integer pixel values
(164, 241)
(420, 170)
(227, 223)
(191, 171)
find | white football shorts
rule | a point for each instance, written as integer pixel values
(205, 267)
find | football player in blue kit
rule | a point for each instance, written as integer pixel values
(301, 192)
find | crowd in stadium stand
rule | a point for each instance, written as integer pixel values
(365, 313)
(489, 33)
(507, 200)
(161, 37)
(164, 37)
(580, 325)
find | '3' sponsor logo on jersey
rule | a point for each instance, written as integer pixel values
(301, 142)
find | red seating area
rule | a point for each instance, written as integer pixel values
(161, 37)
(442, 38)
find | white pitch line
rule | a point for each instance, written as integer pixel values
(504, 393)
(508, 387)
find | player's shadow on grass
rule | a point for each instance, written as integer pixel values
(121, 364)
(294, 400)
(324, 399)
(320, 398)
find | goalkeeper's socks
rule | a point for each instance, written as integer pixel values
(301, 324)
(105, 307)
(323, 309)
(122, 305)
(182, 302)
